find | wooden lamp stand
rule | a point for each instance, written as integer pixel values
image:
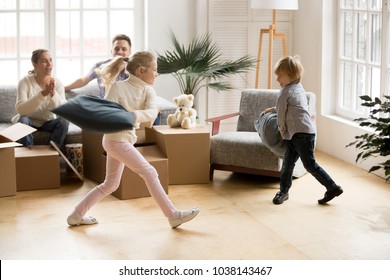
(272, 34)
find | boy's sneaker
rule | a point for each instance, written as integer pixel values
(280, 197)
(329, 195)
(183, 216)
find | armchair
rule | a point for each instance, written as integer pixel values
(242, 151)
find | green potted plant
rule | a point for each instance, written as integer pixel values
(376, 143)
(200, 65)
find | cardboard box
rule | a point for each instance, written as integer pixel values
(8, 137)
(94, 168)
(132, 185)
(37, 168)
(187, 150)
(7, 172)
(143, 139)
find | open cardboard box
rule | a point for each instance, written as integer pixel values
(8, 138)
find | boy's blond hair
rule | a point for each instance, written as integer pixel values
(291, 66)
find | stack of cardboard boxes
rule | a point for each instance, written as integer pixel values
(180, 156)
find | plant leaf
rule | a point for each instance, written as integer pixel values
(377, 143)
(199, 64)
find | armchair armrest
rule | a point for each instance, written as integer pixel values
(216, 121)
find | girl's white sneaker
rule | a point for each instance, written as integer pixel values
(183, 216)
(86, 220)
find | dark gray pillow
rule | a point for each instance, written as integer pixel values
(96, 114)
(267, 127)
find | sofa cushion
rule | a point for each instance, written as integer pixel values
(89, 89)
(96, 114)
(166, 107)
(251, 106)
(8, 101)
(248, 149)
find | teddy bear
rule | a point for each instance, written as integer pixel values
(185, 115)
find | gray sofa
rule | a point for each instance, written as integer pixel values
(242, 151)
(7, 111)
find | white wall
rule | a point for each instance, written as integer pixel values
(163, 16)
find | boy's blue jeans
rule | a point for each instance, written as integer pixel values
(301, 146)
(58, 128)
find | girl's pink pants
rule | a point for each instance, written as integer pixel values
(119, 155)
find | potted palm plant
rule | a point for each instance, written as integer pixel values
(200, 65)
(376, 143)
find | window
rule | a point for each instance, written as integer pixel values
(363, 54)
(77, 32)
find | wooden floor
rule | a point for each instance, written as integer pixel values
(237, 221)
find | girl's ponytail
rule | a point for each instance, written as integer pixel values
(110, 70)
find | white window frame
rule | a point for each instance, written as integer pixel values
(353, 110)
(48, 8)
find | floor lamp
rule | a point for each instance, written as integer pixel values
(271, 31)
